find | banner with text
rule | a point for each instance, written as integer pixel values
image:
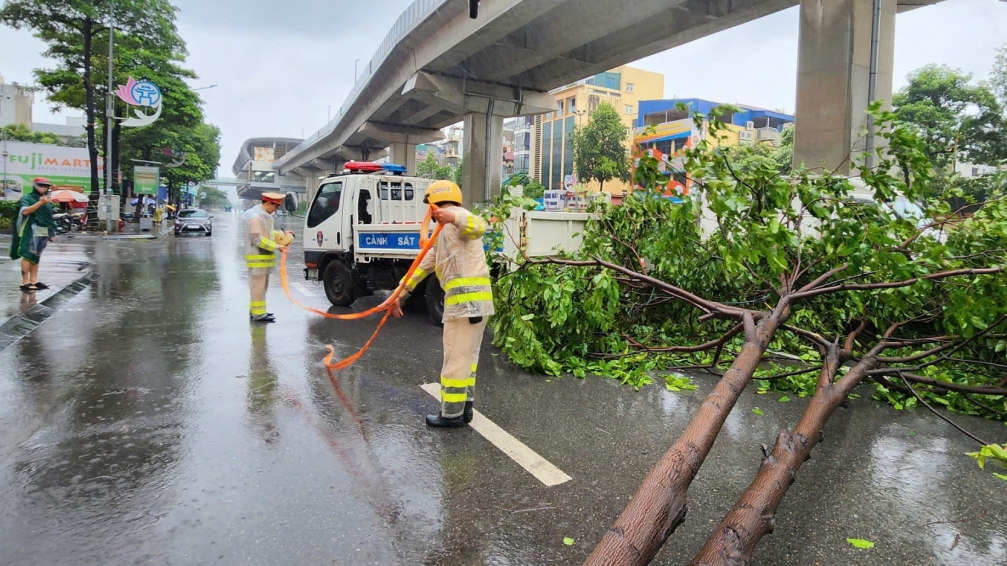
(65, 167)
(146, 180)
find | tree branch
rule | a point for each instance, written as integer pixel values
(934, 411)
(804, 294)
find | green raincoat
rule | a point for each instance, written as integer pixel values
(32, 232)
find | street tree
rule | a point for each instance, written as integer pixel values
(790, 262)
(998, 75)
(21, 133)
(213, 196)
(429, 168)
(71, 29)
(600, 147)
(958, 121)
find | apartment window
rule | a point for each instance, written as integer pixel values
(629, 109)
(629, 87)
(560, 108)
(546, 152)
(568, 147)
(557, 155)
(571, 104)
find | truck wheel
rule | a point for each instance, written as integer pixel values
(435, 301)
(338, 284)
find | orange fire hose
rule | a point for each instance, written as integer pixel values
(426, 243)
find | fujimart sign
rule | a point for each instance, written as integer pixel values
(65, 167)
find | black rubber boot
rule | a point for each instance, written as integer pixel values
(467, 415)
(445, 422)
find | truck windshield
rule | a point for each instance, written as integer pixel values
(326, 203)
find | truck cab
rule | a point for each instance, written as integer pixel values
(362, 231)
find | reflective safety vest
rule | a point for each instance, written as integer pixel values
(459, 261)
(260, 239)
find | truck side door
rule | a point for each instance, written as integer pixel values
(324, 222)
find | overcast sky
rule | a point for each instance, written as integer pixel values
(278, 74)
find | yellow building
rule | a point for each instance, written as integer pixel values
(552, 143)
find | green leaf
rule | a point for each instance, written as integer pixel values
(860, 543)
(1001, 476)
(758, 411)
(568, 541)
(784, 399)
(528, 317)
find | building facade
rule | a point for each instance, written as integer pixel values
(663, 128)
(522, 129)
(15, 104)
(551, 140)
(254, 168)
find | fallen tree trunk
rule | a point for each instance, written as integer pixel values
(659, 505)
(754, 513)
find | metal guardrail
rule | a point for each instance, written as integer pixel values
(417, 12)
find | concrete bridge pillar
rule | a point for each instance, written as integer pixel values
(482, 157)
(403, 154)
(833, 78)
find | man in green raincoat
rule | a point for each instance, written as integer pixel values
(34, 227)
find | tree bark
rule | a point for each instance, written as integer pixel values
(754, 513)
(659, 505)
(92, 147)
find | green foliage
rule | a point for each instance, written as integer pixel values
(860, 543)
(532, 188)
(600, 147)
(8, 209)
(758, 228)
(214, 196)
(998, 75)
(74, 30)
(430, 169)
(991, 451)
(749, 157)
(676, 383)
(958, 121)
(21, 133)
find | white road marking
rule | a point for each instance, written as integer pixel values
(526, 457)
(302, 289)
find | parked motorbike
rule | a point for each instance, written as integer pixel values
(67, 222)
(64, 222)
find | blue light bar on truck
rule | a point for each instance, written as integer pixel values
(394, 169)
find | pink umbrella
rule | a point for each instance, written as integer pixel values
(68, 196)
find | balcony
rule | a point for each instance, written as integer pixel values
(771, 135)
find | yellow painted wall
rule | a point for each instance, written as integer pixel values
(647, 85)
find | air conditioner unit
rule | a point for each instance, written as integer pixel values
(749, 125)
(745, 136)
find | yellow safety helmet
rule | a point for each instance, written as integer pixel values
(443, 191)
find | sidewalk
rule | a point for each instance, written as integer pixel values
(63, 263)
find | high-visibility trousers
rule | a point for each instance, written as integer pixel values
(258, 282)
(462, 340)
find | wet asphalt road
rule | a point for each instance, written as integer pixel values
(145, 422)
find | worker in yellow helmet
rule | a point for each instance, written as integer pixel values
(460, 264)
(261, 244)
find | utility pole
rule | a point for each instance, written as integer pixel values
(109, 116)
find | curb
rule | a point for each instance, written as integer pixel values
(17, 327)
